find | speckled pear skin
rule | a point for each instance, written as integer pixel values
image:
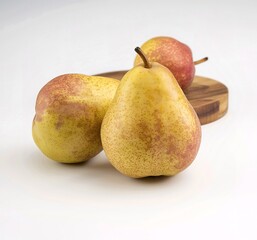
(150, 128)
(69, 112)
(174, 55)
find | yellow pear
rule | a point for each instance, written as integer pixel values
(150, 128)
(69, 112)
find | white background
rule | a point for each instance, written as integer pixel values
(215, 198)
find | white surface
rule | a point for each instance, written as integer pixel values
(215, 198)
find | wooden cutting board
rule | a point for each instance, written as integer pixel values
(208, 97)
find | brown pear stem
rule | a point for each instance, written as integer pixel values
(201, 61)
(143, 57)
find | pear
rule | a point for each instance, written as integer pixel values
(69, 112)
(150, 128)
(174, 55)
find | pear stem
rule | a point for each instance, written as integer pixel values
(201, 61)
(140, 52)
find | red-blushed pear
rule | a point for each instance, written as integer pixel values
(150, 128)
(69, 112)
(174, 55)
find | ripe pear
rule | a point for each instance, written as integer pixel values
(174, 55)
(150, 128)
(69, 112)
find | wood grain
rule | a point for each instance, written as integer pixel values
(208, 97)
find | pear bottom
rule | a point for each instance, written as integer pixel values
(68, 141)
(143, 156)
